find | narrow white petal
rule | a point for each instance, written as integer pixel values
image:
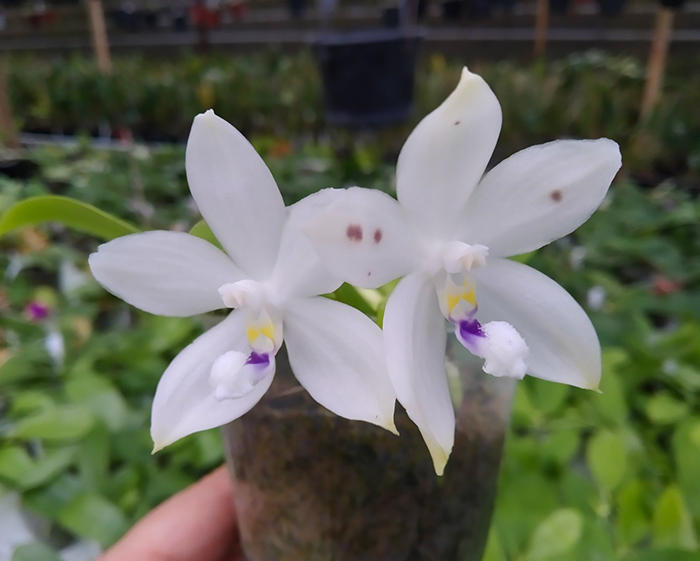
(337, 354)
(539, 195)
(364, 238)
(299, 271)
(414, 339)
(563, 345)
(164, 273)
(185, 402)
(235, 193)
(447, 153)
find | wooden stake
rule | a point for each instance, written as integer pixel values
(98, 30)
(657, 59)
(8, 132)
(541, 27)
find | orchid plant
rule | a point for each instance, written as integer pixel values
(269, 274)
(449, 236)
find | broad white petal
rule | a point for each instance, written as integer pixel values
(447, 153)
(164, 273)
(299, 271)
(235, 193)
(539, 195)
(364, 238)
(414, 339)
(185, 402)
(563, 344)
(337, 354)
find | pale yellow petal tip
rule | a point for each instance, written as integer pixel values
(596, 390)
(440, 458)
(157, 447)
(391, 427)
(467, 76)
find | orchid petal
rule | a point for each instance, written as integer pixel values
(337, 354)
(415, 339)
(540, 194)
(185, 401)
(299, 271)
(363, 238)
(235, 193)
(164, 273)
(446, 155)
(563, 345)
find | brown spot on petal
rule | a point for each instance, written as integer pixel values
(457, 122)
(556, 195)
(377, 235)
(354, 233)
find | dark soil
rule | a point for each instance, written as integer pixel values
(311, 486)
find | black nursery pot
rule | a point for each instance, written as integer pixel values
(559, 7)
(673, 4)
(611, 8)
(452, 9)
(368, 76)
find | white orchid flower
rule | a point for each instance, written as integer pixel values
(449, 235)
(270, 274)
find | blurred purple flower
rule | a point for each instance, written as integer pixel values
(37, 311)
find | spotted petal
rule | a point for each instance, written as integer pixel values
(336, 353)
(185, 402)
(164, 273)
(364, 238)
(235, 193)
(563, 345)
(415, 339)
(446, 155)
(539, 195)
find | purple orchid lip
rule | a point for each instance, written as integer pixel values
(258, 359)
(470, 331)
(469, 328)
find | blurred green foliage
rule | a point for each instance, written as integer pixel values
(268, 93)
(585, 476)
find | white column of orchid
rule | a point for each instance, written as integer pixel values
(270, 274)
(449, 235)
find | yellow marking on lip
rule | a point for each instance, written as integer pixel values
(454, 299)
(255, 331)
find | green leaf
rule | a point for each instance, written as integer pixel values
(201, 230)
(69, 212)
(548, 397)
(61, 423)
(611, 404)
(23, 472)
(351, 296)
(93, 517)
(664, 409)
(100, 397)
(672, 525)
(606, 456)
(556, 535)
(34, 551)
(686, 448)
(632, 522)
